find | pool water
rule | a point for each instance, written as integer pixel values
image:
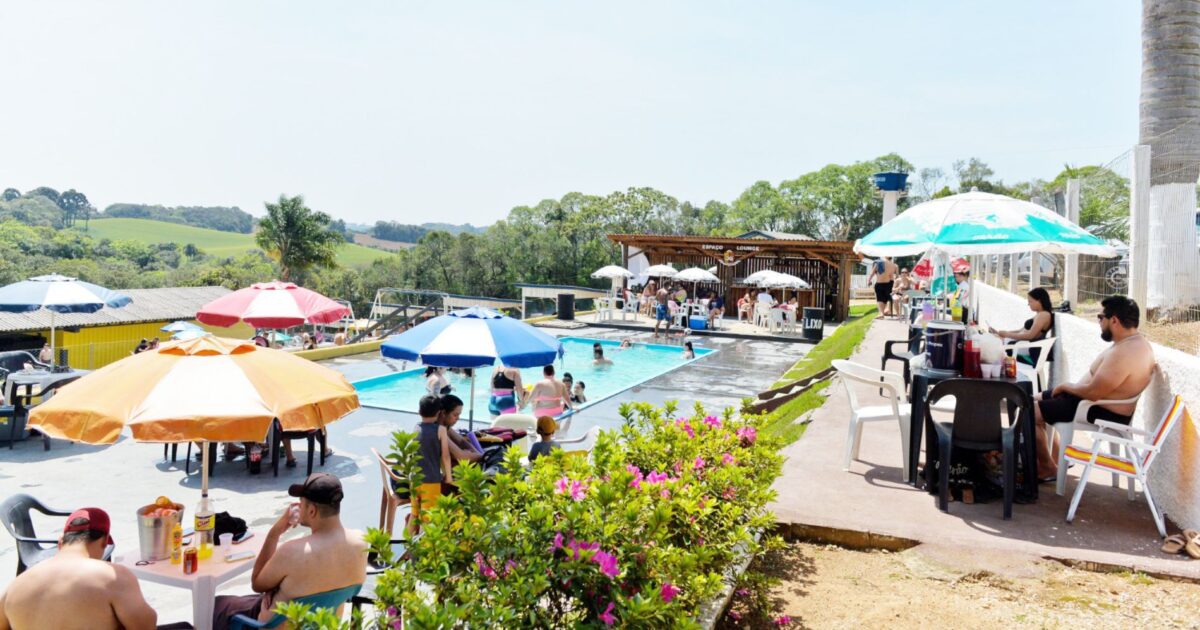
(401, 391)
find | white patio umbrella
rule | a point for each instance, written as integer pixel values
(756, 277)
(660, 271)
(696, 275)
(612, 271)
(779, 280)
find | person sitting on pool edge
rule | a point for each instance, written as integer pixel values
(598, 359)
(546, 428)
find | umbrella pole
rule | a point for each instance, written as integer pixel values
(471, 417)
(204, 467)
(53, 351)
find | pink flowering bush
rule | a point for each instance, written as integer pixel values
(638, 534)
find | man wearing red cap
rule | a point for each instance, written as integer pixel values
(330, 558)
(75, 588)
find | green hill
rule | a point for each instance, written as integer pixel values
(212, 242)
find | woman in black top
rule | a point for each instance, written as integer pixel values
(1036, 328)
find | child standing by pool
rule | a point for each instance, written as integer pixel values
(546, 428)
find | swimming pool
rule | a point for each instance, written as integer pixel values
(633, 366)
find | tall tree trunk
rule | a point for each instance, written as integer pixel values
(1170, 99)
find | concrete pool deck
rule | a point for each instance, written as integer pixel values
(870, 506)
(122, 477)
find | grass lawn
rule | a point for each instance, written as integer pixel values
(212, 242)
(840, 345)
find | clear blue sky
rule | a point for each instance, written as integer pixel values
(457, 111)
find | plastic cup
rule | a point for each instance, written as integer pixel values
(226, 541)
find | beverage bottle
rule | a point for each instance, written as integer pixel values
(177, 544)
(205, 521)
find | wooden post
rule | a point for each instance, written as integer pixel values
(841, 310)
(1071, 279)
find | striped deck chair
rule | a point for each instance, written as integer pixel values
(1134, 462)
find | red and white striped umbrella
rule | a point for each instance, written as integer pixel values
(272, 305)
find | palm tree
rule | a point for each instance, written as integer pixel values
(297, 237)
(1170, 99)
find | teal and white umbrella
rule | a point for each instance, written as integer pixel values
(980, 223)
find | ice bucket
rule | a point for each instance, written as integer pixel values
(154, 532)
(943, 340)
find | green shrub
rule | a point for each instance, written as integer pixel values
(639, 534)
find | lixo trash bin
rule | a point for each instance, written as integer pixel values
(813, 324)
(566, 306)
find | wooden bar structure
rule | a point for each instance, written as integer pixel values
(825, 265)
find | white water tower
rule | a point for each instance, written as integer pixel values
(891, 186)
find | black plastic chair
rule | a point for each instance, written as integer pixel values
(903, 356)
(15, 514)
(16, 423)
(977, 426)
(312, 437)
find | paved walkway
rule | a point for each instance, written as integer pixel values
(818, 498)
(729, 327)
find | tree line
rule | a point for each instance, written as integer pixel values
(555, 241)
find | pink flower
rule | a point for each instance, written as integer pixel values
(747, 435)
(578, 491)
(656, 477)
(607, 616)
(698, 464)
(742, 592)
(668, 592)
(727, 459)
(666, 494)
(735, 615)
(561, 486)
(509, 565)
(558, 541)
(484, 569)
(396, 624)
(713, 422)
(607, 562)
(783, 620)
(729, 494)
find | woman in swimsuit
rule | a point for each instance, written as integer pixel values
(550, 396)
(435, 381)
(1036, 328)
(507, 391)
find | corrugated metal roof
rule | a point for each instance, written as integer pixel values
(779, 236)
(149, 305)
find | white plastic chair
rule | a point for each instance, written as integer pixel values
(762, 315)
(678, 314)
(1135, 466)
(777, 321)
(789, 321)
(587, 441)
(521, 421)
(897, 408)
(1066, 433)
(1039, 372)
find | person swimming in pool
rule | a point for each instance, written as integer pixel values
(577, 394)
(436, 383)
(626, 344)
(598, 358)
(550, 397)
(688, 351)
(508, 394)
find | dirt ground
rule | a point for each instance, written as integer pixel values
(832, 587)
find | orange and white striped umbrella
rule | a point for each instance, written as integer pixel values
(208, 388)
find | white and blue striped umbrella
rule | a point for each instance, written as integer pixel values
(472, 338)
(180, 326)
(58, 294)
(980, 223)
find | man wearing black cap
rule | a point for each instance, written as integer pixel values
(76, 588)
(329, 558)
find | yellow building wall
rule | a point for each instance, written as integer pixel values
(97, 346)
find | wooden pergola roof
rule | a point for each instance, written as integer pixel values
(831, 252)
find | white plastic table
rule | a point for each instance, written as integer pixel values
(203, 584)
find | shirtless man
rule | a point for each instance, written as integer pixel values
(598, 359)
(1121, 371)
(75, 588)
(883, 272)
(662, 312)
(329, 558)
